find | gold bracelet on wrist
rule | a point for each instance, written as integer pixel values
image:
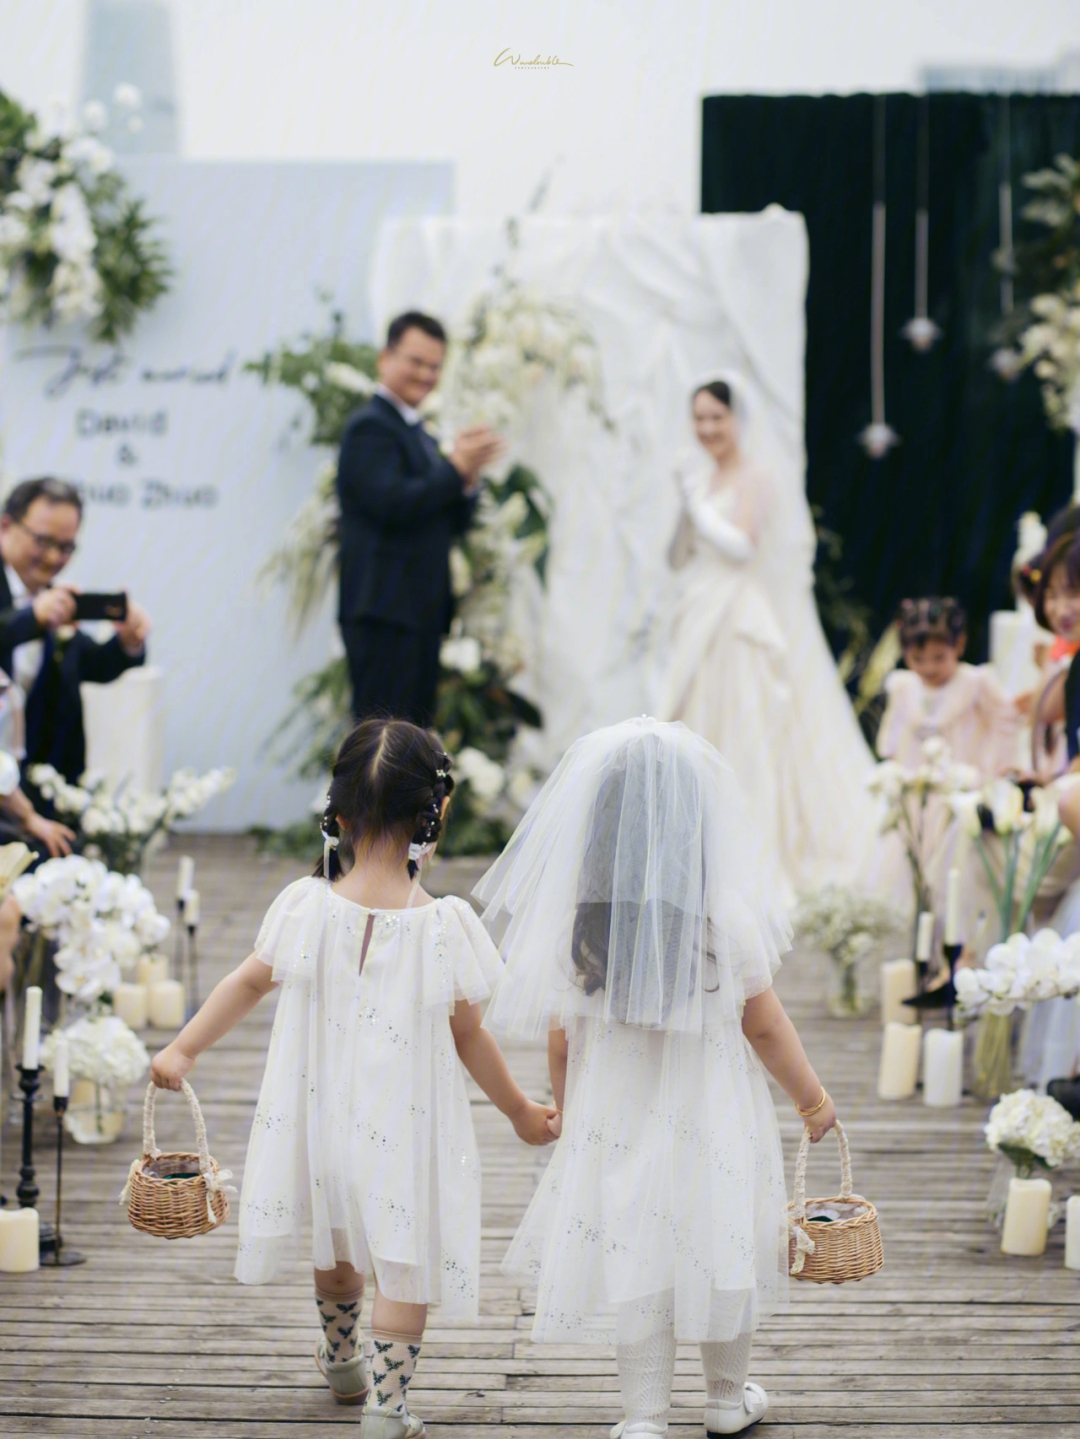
(809, 1113)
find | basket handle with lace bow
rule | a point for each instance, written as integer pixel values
(804, 1245)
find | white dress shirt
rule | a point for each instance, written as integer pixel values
(26, 658)
(407, 413)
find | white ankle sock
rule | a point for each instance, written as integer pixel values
(393, 1361)
(726, 1369)
(646, 1371)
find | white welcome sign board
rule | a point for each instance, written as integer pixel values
(190, 467)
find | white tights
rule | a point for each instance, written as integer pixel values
(647, 1369)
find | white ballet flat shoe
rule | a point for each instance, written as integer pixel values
(754, 1406)
(631, 1431)
(377, 1423)
(349, 1379)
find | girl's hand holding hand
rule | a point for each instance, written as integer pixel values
(531, 1123)
(170, 1067)
(555, 1126)
(820, 1123)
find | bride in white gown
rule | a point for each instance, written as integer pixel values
(745, 662)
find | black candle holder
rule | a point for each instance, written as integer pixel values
(942, 996)
(192, 969)
(63, 1257)
(28, 1191)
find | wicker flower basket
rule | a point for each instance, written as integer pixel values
(845, 1248)
(176, 1196)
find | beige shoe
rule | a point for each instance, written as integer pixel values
(376, 1423)
(633, 1430)
(349, 1379)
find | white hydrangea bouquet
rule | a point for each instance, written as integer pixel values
(846, 926)
(102, 1049)
(1020, 972)
(102, 922)
(1032, 1131)
(120, 827)
(906, 795)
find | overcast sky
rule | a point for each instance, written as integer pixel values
(619, 121)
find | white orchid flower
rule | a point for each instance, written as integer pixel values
(1005, 801)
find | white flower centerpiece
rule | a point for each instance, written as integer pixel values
(108, 1058)
(846, 926)
(1019, 973)
(102, 922)
(122, 827)
(1017, 848)
(1033, 1132)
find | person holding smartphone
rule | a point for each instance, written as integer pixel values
(39, 649)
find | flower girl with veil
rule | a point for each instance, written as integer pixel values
(641, 934)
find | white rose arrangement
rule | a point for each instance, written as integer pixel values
(1032, 1131)
(101, 1048)
(121, 826)
(103, 922)
(1021, 972)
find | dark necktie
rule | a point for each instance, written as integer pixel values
(427, 443)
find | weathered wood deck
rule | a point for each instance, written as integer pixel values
(155, 1338)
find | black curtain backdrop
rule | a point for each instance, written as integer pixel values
(938, 513)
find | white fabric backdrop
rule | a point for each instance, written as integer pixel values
(667, 300)
(191, 469)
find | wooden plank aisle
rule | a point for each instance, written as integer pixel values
(951, 1339)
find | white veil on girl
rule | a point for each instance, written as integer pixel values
(633, 885)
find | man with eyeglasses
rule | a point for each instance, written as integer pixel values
(39, 528)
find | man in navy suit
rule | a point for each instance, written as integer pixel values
(402, 504)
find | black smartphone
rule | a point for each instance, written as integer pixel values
(90, 606)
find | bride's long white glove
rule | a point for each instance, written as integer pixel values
(733, 543)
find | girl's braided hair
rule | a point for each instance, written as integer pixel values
(935, 618)
(388, 784)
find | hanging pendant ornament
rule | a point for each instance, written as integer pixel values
(1006, 361)
(920, 331)
(879, 437)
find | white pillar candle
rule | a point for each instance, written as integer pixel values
(20, 1250)
(899, 1070)
(167, 1004)
(191, 908)
(131, 1004)
(151, 969)
(1026, 1213)
(185, 876)
(1072, 1232)
(943, 1068)
(897, 984)
(31, 1027)
(61, 1085)
(952, 908)
(924, 942)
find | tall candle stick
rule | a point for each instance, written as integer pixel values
(185, 877)
(1072, 1232)
(897, 984)
(952, 908)
(31, 1027)
(924, 943)
(61, 1082)
(191, 908)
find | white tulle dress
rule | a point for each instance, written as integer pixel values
(363, 1129)
(664, 1203)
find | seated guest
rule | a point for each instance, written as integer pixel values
(402, 504)
(46, 657)
(941, 695)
